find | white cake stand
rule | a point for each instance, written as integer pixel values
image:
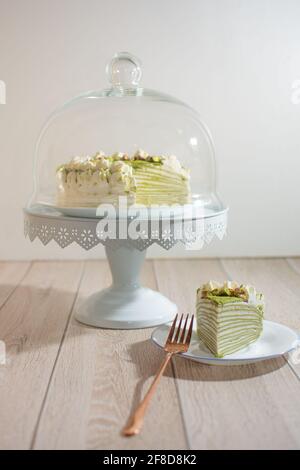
(126, 304)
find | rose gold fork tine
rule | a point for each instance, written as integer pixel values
(184, 328)
(170, 335)
(178, 330)
(189, 335)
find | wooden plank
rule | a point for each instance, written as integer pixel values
(279, 280)
(32, 323)
(243, 407)
(11, 274)
(294, 263)
(100, 377)
(294, 357)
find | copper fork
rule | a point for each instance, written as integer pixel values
(174, 344)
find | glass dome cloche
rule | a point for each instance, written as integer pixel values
(128, 123)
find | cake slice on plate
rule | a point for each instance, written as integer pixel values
(229, 316)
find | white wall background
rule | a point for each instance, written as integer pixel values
(235, 61)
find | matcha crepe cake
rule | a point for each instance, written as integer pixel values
(229, 316)
(142, 178)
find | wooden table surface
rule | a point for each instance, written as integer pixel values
(67, 386)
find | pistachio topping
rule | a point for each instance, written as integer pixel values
(100, 160)
(213, 290)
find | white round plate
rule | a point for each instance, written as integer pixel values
(82, 212)
(86, 212)
(275, 340)
(143, 212)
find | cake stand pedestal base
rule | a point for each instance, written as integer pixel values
(126, 304)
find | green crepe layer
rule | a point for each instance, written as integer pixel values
(155, 185)
(230, 324)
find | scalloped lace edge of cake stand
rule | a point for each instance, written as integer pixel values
(65, 232)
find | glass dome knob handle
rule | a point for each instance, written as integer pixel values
(124, 70)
